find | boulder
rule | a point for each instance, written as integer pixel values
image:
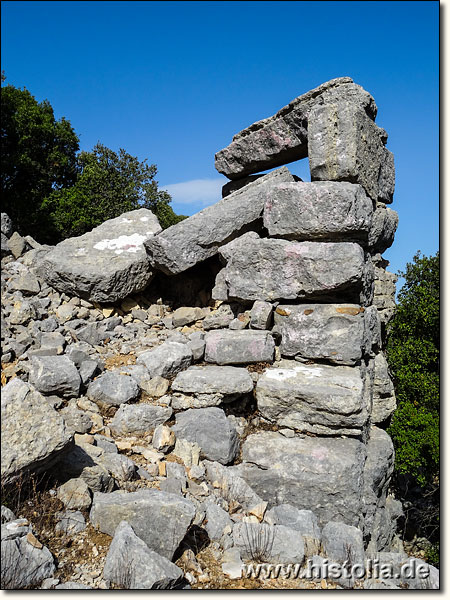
(197, 238)
(311, 473)
(34, 435)
(108, 263)
(386, 178)
(231, 486)
(227, 347)
(261, 315)
(167, 359)
(342, 542)
(344, 144)
(160, 519)
(275, 544)
(283, 138)
(272, 269)
(6, 225)
(327, 211)
(212, 385)
(23, 565)
(74, 494)
(139, 418)
(113, 389)
(17, 244)
(55, 375)
(186, 315)
(303, 521)
(320, 399)
(383, 228)
(211, 430)
(216, 520)
(339, 333)
(132, 565)
(70, 522)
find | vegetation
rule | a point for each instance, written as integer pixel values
(413, 356)
(52, 191)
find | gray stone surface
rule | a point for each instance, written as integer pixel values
(75, 494)
(383, 228)
(320, 399)
(84, 461)
(327, 211)
(113, 388)
(214, 384)
(211, 430)
(6, 225)
(312, 473)
(231, 486)
(344, 144)
(216, 520)
(108, 263)
(170, 516)
(54, 375)
(186, 315)
(222, 317)
(197, 238)
(167, 359)
(272, 269)
(239, 347)
(70, 522)
(339, 333)
(386, 178)
(342, 542)
(303, 521)
(163, 438)
(283, 138)
(23, 565)
(7, 515)
(29, 444)
(139, 418)
(261, 315)
(274, 544)
(419, 582)
(384, 401)
(132, 565)
(17, 244)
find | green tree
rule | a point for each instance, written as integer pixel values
(413, 356)
(107, 185)
(38, 156)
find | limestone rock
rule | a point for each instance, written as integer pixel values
(343, 542)
(303, 521)
(274, 544)
(139, 418)
(23, 565)
(163, 438)
(168, 359)
(211, 430)
(325, 211)
(113, 388)
(29, 444)
(6, 225)
(386, 178)
(55, 375)
(384, 401)
(283, 138)
(239, 347)
(197, 238)
(216, 520)
(320, 399)
(106, 264)
(311, 473)
(132, 565)
(383, 228)
(170, 516)
(214, 384)
(339, 333)
(186, 315)
(261, 315)
(74, 494)
(272, 269)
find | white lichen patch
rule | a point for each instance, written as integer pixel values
(282, 374)
(124, 243)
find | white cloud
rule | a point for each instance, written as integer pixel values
(197, 191)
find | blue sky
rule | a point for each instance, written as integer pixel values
(174, 81)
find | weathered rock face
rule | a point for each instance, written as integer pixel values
(383, 228)
(239, 347)
(106, 264)
(221, 384)
(320, 399)
(197, 238)
(319, 474)
(318, 211)
(339, 333)
(30, 445)
(283, 138)
(384, 401)
(170, 516)
(272, 269)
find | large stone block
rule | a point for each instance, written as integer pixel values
(384, 401)
(283, 138)
(33, 434)
(326, 211)
(108, 263)
(344, 144)
(383, 228)
(228, 347)
(197, 238)
(312, 473)
(160, 519)
(339, 333)
(320, 399)
(272, 269)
